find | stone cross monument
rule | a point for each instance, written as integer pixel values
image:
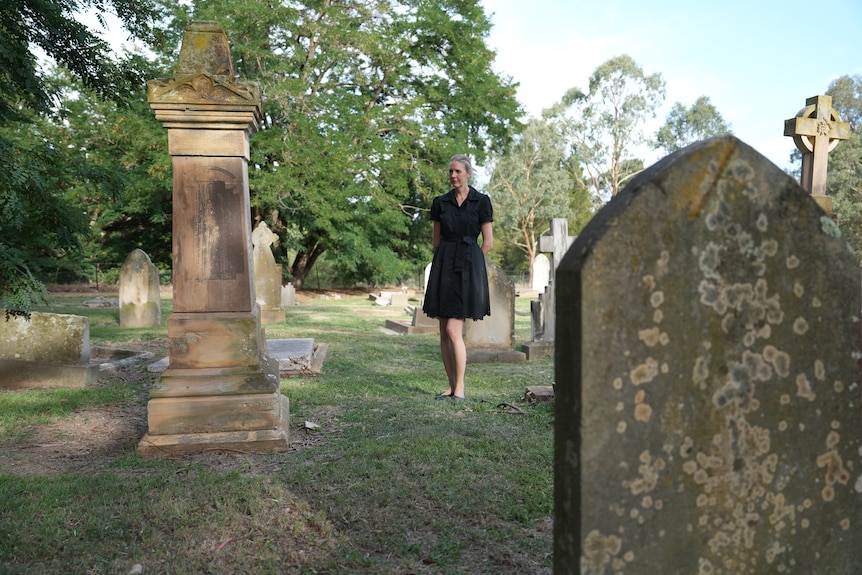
(558, 243)
(816, 130)
(220, 389)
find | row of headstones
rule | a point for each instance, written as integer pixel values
(139, 292)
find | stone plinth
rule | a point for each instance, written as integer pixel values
(220, 389)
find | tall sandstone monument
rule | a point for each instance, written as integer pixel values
(220, 389)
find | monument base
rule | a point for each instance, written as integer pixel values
(195, 410)
(538, 349)
(495, 356)
(255, 423)
(272, 315)
(407, 327)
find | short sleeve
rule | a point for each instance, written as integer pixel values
(486, 210)
(435, 209)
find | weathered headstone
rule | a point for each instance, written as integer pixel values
(220, 389)
(51, 337)
(542, 310)
(493, 338)
(540, 274)
(816, 130)
(542, 326)
(708, 409)
(53, 350)
(139, 296)
(267, 275)
(288, 295)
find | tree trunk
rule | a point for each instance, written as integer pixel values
(304, 261)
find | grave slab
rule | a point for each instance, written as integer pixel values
(297, 356)
(708, 407)
(53, 351)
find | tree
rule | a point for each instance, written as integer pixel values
(132, 208)
(604, 125)
(364, 103)
(844, 179)
(529, 186)
(38, 220)
(686, 126)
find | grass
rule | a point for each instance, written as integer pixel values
(390, 482)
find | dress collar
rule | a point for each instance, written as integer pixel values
(472, 194)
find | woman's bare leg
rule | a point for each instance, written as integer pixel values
(454, 353)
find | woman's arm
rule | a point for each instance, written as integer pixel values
(435, 236)
(487, 238)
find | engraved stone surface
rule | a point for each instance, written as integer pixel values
(496, 331)
(708, 410)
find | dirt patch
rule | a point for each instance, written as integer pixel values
(91, 440)
(85, 442)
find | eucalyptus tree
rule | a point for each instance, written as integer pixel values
(364, 102)
(530, 185)
(844, 179)
(605, 125)
(685, 126)
(38, 222)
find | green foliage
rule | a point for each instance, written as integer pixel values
(130, 207)
(39, 222)
(364, 103)
(605, 124)
(844, 179)
(686, 126)
(529, 186)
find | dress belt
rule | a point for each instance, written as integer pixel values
(461, 253)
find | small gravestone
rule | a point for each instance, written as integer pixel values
(493, 338)
(267, 275)
(139, 298)
(540, 274)
(288, 296)
(708, 408)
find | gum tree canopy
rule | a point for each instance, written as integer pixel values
(36, 221)
(364, 103)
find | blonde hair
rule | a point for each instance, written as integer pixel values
(465, 160)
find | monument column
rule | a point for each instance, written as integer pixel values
(220, 388)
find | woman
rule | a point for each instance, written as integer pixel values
(458, 282)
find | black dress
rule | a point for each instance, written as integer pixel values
(458, 281)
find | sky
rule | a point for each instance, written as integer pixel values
(756, 60)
